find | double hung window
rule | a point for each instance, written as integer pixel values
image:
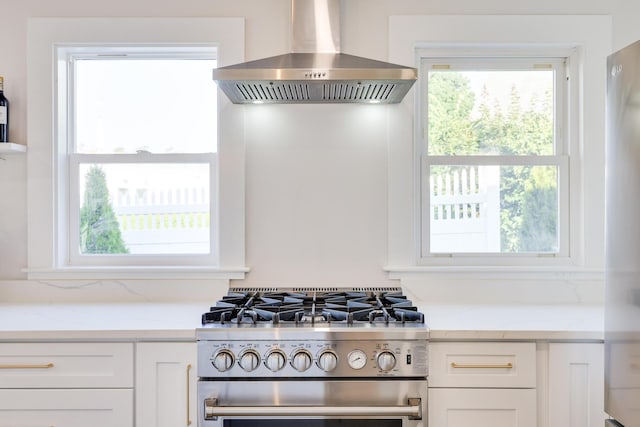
(494, 156)
(137, 142)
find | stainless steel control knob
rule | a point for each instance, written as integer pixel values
(328, 360)
(223, 360)
(249, 360)
(275, 360)
(301, 360)
(386, 360)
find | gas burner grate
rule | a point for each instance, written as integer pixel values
(304, 307)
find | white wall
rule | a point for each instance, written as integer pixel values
(316, 193)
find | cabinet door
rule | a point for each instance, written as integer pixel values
(455, 407)
(166, 384)
(576, 384)
(66, 407)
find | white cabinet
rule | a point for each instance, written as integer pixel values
(576, 384)
(66, 384)
(66, 365)
(459, 407)
(166, 384)
(66, 407)
(80, 384)
(482, 364)
(482, 384)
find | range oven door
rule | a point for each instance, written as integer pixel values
(313, 403)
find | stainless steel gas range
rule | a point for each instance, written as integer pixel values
(318, 357)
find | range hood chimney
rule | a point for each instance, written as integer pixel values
(315, 71)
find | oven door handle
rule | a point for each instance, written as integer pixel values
(413, 410)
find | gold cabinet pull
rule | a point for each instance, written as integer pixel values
(507, 366)
(188, 394)
(45, 366)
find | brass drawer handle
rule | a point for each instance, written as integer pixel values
(46, 366)
(507, 366)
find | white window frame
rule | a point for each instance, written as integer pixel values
(69, 159)
(565, 89)
(47, 255)
(590, 36)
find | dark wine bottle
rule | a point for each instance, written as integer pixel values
(4, 114)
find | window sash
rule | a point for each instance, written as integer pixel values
(481, 160)
(69, 55)
(559, 65)
(75, 199)
(560, 162)
(484, 60)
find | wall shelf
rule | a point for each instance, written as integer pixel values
(12, 148)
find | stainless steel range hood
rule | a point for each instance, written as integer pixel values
(315, 71)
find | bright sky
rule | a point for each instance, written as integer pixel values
(156, 105)
(161, 106)
(499, 83)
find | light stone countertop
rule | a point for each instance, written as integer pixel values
(515, 322)
(177, 322)
(100, 322)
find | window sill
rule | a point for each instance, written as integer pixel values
(136, 273)
(501, 285)
(498, 273)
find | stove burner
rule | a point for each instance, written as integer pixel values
(299, 308)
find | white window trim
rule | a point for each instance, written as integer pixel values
(566, 142)
(68, 158)
(590, 37)
(227, 35)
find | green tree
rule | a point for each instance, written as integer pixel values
(539, 228)
(487, 127)
(538, 231)
(528, 195)
(451, 101)
(99, 228)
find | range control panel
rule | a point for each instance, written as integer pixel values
(291, 358)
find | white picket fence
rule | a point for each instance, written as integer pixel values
(174, 220)
(464, 215)
(465, 210)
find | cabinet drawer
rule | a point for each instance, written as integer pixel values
(66, 365)
(454, 407)
(486, 364)
(68, 407)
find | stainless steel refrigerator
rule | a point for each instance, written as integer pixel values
(622, 231)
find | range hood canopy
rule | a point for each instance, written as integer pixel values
(315, 71)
